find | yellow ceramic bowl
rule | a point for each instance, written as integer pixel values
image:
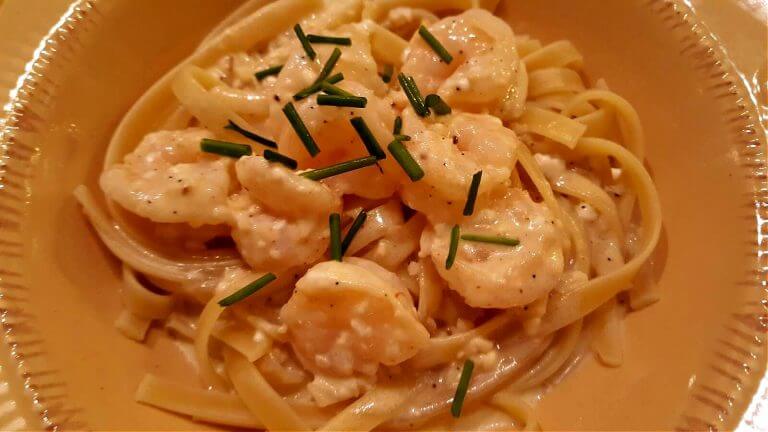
(692, 361)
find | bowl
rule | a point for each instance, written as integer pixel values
(692, 361)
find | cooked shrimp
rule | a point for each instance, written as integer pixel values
(338, 141)
(356, 63)
(347, 317)
(450, 152)
(484, 65)
(404, 21)
(280, 219)
(500, 276)
(168, 179)
(330, 126)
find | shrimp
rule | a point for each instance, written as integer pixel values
(500, 276)
(338, 141)
(279, 219)
(330, 126)
(450, 152)
(404, 21)
(356, 63)
(484, 66)
(167, 179)
(352, 316)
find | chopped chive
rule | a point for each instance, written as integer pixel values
(461, 389)
(301, 129)
(417, 96)
(339, 168)
(319, 39)
(454, 246)
(334, 222)
(273, 70)
(406, 161)
(437, 104)
(333, 79)
(304, 42)
(247, 290)
(329, 65)
(342, 101)
(469, 207)
(398, 126)
(314, 88)
(353, 229)
(413, 94)
(370, 142)
(386, 74)
(401, 137)
(274, 156)
(499, 240)
(334, 90)
(435, 44)
(250, 135)
(225, 148)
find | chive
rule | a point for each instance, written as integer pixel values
(319, 39)
(333, 90)
(301, 129)
(250, 135)
(413, 94)
(342, 101)
(304, 42)
(274, 156)
(273, 70)
(435, 44)
(401, 137)
(469, 207)
(417, 95)
(353, 229)
(370, 142)
(329, 65)
(500, 240)
(334, 222)
(333, 79)
(314, 88)
(386, 74)
(339, 168)
(406, 161)
(247, 290)
(461, 389)
(398, 126)
(437, 104)
(454, 246)
(225, 148)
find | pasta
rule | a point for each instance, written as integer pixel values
(389, 214)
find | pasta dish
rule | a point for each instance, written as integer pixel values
(376, 215)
